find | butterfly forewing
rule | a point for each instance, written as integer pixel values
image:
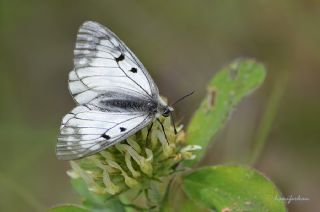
(112, 89)
(103, 63)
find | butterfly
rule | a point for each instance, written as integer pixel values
(115, 95)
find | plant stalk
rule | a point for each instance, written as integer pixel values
(268, 117)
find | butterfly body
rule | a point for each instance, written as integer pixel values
(115, 95)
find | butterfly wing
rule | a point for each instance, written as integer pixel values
(105, 73)
(103, 63)
(85, 131)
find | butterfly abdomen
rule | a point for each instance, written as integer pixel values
(132, 105)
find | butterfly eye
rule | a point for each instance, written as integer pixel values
(166, 112)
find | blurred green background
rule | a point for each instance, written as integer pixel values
(182, 44)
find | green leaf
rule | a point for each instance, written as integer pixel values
(89, 198)
(235, 188)
(225, 91)
(96, 202)
(68, 208)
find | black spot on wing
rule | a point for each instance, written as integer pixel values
(120, 58)
(133, 70)
(107, 137)
(122, 129)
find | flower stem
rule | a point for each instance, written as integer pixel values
(164, 205)
(268, 117)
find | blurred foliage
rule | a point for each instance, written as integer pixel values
(182, 44)
(224, 92)
(67, 208)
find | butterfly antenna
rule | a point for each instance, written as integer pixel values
(172, 117)
(182, 98)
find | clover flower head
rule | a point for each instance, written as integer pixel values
(150, 154)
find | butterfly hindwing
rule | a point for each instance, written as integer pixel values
(84, 131)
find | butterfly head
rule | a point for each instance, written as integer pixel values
(163, 109)
(167, 111)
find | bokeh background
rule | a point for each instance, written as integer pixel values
(182, 44)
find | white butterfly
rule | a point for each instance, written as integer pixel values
(116, 96)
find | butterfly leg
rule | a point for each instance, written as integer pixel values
(164, 132)
(149, 130)
(174, 125)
